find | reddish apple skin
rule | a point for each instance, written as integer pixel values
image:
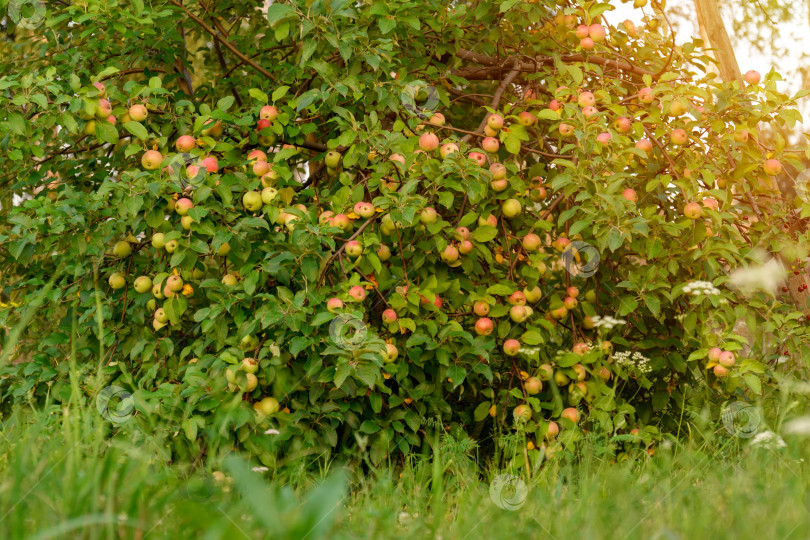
(630, 195)
(484, 326)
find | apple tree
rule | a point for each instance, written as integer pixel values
(305, 227)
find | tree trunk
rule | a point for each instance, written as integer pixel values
(714, 34)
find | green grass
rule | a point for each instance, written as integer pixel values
(63, 476)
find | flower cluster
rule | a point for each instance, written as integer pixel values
(696, 288)
(633, 360)
(607, 322)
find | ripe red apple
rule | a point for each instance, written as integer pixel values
(711, 203)
(572, 291)
(341, 221)
(570, 303)
(353, 249)
(527, 119)
(561, 243)
(254, 155)
(490, 144)
(586, 43)
(391, 353)
(268, 112)
(511, 347)
(630, 28)
(358, 293)
(678, 136)
(714, 354)
(581, 31)
(566, 130)
(462, 233)
(481, 308)
(531, 242)
(185, 143)
(428, 142)
(450, 254)
(597, 32)
(489, 220)
(495, 121)
(604, 137)
(183, 205)
(772, 167)
(465, 247)
(586, 99)
(752, 77)
(262, 124)
(261, 168)
(437, 119)
(630, 195)
(580, 349)
(517, 298)
(499, 185)
(151, 160)
(644, 144)
(484, 326)
(554, 105)
(384, 253)
(692, 210)
(138, 113)
(533, 385)
(364, 209)
(720, 371)
(571, 414)
(741, 136)
(102, 90)
(587, 112)
(334, 304)
(389, 316)
(622, 125)
(103, 109)
(498, 171)
(519, 313)
(552, 431)
(727, 359)
(448, 149)
(479, 158)
(522, 413)
(559, 313)
(646, 95)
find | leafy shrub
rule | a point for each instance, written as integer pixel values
(629, 180)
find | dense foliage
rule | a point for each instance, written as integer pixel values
(343, 220)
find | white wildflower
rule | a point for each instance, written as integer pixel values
(272, 431)
(636, 361)
(767, 439)
(259, 469)
(766, 278)
(697, 288)
(607, 322)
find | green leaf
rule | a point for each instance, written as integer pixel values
(225, 103)
(482, 411)
(277, 12)
(106, 132)
(627, 305)
(137, 129)
(258, 95)
(485, 233)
